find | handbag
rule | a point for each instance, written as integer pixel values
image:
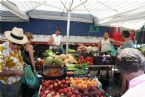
(29, 78)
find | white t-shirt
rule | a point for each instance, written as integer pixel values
(57, 40)
(105, 45)
(137, 87)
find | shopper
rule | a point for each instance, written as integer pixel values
(128, 43)
(28, 58)
(105, 42)
(28, 52)
(55, 41)
(131, 63)
(10, 77)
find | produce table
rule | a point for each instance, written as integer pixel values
(102, 67)
(71, 87)
(106, 79)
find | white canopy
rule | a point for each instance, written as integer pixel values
(122, 13)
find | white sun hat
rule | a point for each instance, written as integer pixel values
(16, 36)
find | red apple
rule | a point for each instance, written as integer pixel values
(47, 91)
(65, 90)
(79, 96)
(43, 95)
(68, 82)
(61, 91)
(50, 82)
(63, 81)
(59, 82)
(62, 86)
(55, 85)
(73, 95)
(51, 86)
(69, 89)
(52, 92)
(76, 92)
(69, 94)
(57, 93)
(65, 85)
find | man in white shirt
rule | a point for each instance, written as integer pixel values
(55, 41)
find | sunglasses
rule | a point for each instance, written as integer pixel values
(16, 44)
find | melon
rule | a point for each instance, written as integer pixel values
(72, 61)
(63, 56)
(58, 62)
(48, 60)
(66, 61)
(57, 57)
(68, 55)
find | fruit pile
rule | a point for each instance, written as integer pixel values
(91, 91)
(66, 88)
(88, 60)
(50, 58)
(55, 88)
(82, 82)
(53, 73)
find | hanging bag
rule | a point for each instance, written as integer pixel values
(113, 50)
(29, 78)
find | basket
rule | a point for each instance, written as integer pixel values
(58, 69)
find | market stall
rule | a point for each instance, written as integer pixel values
(75, 68)
(84, 70)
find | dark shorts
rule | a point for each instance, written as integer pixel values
(12, 90)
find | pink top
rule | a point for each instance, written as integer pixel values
(138, 80)
(136, 87)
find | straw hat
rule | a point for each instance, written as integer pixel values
(16, 36)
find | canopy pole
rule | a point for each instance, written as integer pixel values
(68, 30)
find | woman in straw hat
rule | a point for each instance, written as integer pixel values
(131, 64)
(10, 77)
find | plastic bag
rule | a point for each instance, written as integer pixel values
(35, 95)
(113, 50)
(29, 78)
